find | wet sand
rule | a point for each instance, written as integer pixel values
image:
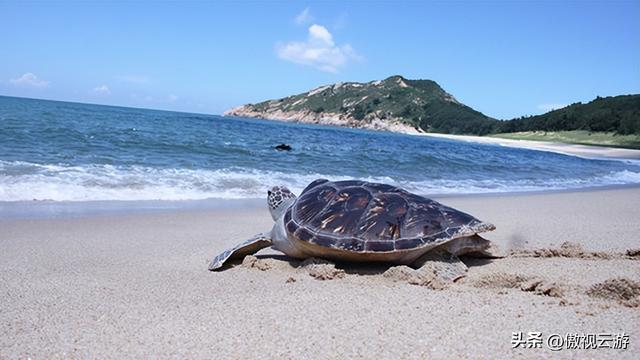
(137, 285)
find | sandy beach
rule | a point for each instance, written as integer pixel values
(137, 286)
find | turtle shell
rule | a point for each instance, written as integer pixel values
(361, 217)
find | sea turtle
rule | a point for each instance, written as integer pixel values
(361, 221)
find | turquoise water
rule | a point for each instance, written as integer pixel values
(67, 151)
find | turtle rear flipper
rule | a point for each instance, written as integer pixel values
(241, 250)
(467, 245)
(474, 246)
(446, 266)
(492, 252)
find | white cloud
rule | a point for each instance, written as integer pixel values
(303, 17)
(550, 107)
(133, 79)
(102, 90)
(172, 98)
(320, 35)
(319, 51)
(29, 79)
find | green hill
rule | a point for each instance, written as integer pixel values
(420, 104)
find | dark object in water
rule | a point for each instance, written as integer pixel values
(282, 147)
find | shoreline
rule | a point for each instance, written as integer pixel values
(38, 209)
(330, 120)
(585, 151)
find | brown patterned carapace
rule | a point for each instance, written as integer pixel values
(368, 217)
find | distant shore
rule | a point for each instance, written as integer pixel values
(587, 151)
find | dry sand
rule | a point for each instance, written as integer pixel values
(136, 286)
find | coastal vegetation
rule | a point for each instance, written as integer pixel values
(619, 115)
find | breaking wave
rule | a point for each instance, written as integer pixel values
(20, 181)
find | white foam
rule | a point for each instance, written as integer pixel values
(20, 181)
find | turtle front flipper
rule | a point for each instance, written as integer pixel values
(241, 250)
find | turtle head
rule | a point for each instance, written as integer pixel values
(279, 199)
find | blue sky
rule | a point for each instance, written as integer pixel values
(505, 59)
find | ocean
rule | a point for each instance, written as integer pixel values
(62, 151)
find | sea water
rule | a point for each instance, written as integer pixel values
(62, 151)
